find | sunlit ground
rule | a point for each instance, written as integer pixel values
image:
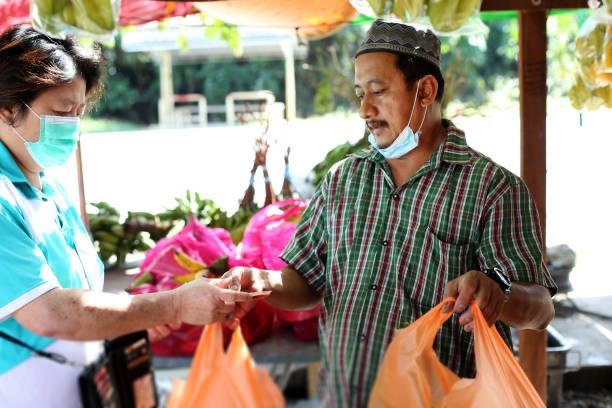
(146, 170)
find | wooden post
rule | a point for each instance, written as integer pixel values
(533, 91)
(81, 182)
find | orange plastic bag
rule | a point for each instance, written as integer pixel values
(412, 376)
(221, 379)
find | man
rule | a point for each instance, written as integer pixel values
(395, 229)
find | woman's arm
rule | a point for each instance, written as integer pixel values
(77, 314)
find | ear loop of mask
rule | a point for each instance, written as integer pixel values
(414, 101)
(32, 110)
(418, 132)
(16, 131)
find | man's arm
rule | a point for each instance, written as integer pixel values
(289, 289)
(529, 307)
(77, 314)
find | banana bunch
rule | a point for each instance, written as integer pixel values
(113, 241)
(593, 84)
(582, 96)
(593, 51)
(93, 16)
(450, 15)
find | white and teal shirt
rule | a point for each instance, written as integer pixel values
(43, 246)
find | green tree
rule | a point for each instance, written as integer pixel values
(131, 88)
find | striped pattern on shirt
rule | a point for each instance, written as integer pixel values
(381, 255)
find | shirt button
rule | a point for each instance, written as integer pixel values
(385, 243)
(395, 196)
(362, 338)
(373, 287)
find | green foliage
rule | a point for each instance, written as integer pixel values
(215, 79)
(192, 205)
(562, 31)
(325, 79)
(131, 87)
(227, 33)
(332, 157)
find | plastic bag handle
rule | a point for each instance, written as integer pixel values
(426, 328)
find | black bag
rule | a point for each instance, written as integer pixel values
(122, 377)
(96, 385)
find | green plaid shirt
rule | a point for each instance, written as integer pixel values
(381, 255)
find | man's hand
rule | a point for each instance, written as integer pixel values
(475, 285)
(205, 301)
(247, 280)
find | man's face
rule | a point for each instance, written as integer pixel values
(386, 101)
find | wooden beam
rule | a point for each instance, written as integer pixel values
(505, 5)
(81, 185)
(533, 91)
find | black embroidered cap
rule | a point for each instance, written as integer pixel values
(392, 35)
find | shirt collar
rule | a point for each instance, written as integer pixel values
(9, 167)
(456, 149)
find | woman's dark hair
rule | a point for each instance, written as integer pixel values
(416, 68)
(31, 62)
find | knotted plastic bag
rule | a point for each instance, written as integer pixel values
(412, 376)
(225, 379)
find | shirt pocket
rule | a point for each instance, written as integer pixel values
(438, 263)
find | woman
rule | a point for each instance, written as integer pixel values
(50, 275)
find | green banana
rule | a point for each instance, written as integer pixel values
(465, 10)
(58, 5)
(108, 247)
(378, 6)
(105, 236)
(100, 13)
(450, 15)
(118, 230)
(45, 7)
(407, 10)
(68, 16)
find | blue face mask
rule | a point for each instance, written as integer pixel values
(58, 140)
(406, 141)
